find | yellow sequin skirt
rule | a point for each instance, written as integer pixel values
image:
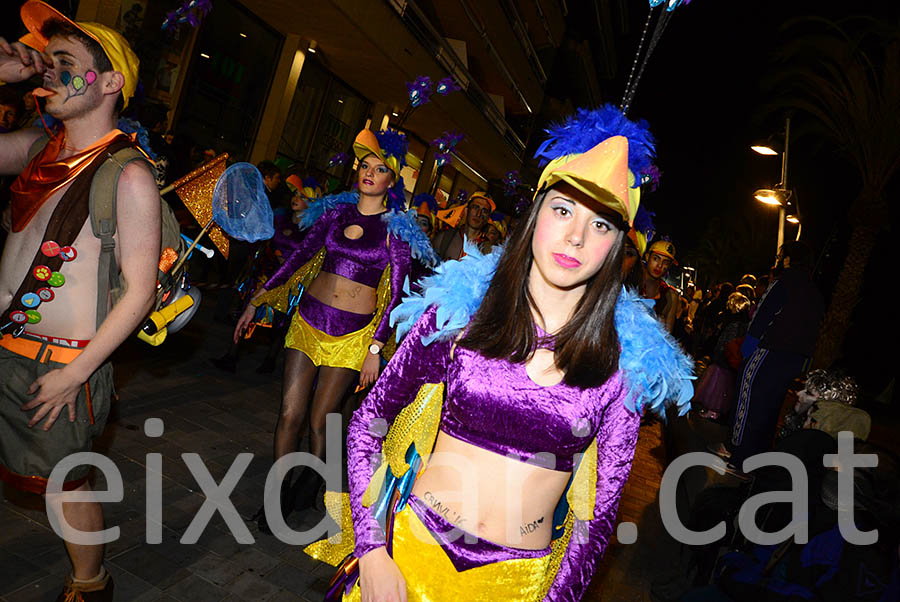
(344, 351)
(431, 577)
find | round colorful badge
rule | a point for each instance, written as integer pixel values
(50, 248)
(56, 279)
(46, 294)
(42, 273)
(19, 317)
(68, 253)
(33, 316)
(31, 300)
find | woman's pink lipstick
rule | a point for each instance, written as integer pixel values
(566, 261)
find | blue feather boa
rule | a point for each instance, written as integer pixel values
(315, 210)
(403, 225)
(656, 371)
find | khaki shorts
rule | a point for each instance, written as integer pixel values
(28, 455)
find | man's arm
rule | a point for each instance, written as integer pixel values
(14, 148)
(17, 63)
(138, 226)
(672, 303)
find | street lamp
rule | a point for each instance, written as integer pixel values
(780, 194)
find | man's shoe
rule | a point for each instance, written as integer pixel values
(95, 591)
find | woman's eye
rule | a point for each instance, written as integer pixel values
(561, 210)
(382, 170)
(602, 226)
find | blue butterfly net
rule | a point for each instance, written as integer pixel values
(240, 204)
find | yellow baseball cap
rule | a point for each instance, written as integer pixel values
(486, 197)
(664, 248)
(36, 13)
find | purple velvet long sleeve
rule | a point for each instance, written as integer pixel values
(400, 258)
(308, 247)
(616, 442)
(412, 366)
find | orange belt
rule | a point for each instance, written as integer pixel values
(39, 350)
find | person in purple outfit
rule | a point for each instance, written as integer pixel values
(515, 398)
(352, 263)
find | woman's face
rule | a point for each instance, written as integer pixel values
(571, 238)
(630, 258)
(298, 203)
(493, 235)
(374, 177)
(424, 224)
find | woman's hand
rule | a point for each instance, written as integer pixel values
(244, 321)
(380, 579)
(369, 372)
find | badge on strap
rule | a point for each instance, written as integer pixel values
(68, 253)
(30, 300)
(42, 273)
(50, 248)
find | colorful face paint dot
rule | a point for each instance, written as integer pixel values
(19, 317)
(78, 82)
(68, 253)
(30, 300)
(33, 316)
(50, 248)
(65, 77)
(46, 294)
(56, 279)
(90, 77)
(42, 273)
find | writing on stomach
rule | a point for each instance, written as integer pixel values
(342, 293)
(500, 499)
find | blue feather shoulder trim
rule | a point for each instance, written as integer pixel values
(656, 371)
(316, 209)
(456, 288)
(404, 226)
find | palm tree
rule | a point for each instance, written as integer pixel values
(846, 76)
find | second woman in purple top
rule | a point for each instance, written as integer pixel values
(357, 250)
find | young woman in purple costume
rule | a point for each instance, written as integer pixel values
(555, 358)
(336, 333)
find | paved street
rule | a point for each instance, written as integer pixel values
(218, 416)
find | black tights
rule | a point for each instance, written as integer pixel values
(295, 413)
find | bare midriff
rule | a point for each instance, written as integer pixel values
(497, 498)
(342, 293)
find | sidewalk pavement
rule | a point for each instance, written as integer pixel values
(218, 416)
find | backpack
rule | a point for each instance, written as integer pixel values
(103, 192)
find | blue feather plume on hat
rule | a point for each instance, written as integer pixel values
(587, 128)
(394, 144)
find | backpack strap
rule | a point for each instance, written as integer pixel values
(103, 222)
(37, 146)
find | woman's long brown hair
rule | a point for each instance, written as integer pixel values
(587, 348)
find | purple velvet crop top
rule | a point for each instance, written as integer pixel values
(362, 260)
(493, 404)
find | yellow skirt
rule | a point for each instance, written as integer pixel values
(431, 577)
(344, 351)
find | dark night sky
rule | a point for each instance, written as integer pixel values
(702, 94)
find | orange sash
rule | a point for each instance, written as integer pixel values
(44, 175)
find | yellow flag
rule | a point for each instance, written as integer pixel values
(196, 192)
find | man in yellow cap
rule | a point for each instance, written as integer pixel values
(58, 334)
(449, 244)
(660, 257)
